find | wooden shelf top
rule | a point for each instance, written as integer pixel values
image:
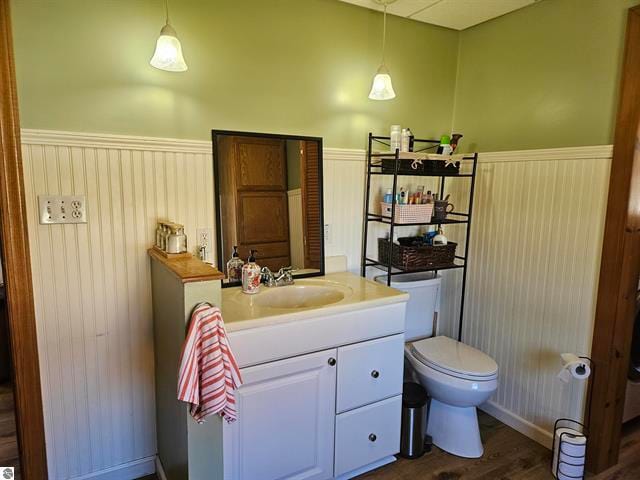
(189, 269)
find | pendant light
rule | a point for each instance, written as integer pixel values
(381, 88)
(168, 53)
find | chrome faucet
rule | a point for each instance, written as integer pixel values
(282, 278)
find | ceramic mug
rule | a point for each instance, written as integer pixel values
(441, 209)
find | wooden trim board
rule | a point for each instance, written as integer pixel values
(17, 269)
(619, 268)
(130, 142)
(188, 269)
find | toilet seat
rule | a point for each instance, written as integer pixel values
(455, 359)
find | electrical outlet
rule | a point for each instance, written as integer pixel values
(204, 239)
(62, 209)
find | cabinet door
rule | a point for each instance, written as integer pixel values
(286, 417)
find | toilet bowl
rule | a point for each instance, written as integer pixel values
(458, 378)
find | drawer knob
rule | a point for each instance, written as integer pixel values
(331, 361)
(375, 374)
(372, 437)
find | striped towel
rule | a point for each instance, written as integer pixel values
(208, 373)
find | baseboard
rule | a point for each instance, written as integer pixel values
(159, 470)
(367, 468)
(519, 424)
(126, 471)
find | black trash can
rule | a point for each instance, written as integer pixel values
(414, 410)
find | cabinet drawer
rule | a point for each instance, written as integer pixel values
(369, 371)
(367, 434)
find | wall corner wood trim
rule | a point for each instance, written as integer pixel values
(619, 269)
(15, 250)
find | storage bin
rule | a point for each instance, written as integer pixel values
(412, 258)
(410, 166)
(408, 213)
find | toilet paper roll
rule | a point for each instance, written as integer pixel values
(569, 450)
(573, 367)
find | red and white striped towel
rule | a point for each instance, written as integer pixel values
(209, 374)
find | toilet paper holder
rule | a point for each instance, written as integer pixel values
(569, 463)
(569, 449)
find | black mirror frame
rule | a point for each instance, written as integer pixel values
(221, 264)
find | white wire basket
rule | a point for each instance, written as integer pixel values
(408, 213)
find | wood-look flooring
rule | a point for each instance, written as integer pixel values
(509, 455)
(8, 437)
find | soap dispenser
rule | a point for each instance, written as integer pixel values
(251, 275)
(234, 266)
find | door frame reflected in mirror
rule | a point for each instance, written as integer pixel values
(221, 259)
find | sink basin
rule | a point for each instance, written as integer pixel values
(299, 296)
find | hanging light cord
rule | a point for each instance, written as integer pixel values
(166, 11)
(384, 31)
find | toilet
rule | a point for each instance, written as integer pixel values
(457, 377)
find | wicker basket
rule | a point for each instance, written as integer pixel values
(423, 257)
(408, 213)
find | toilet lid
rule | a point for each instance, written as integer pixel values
(450, 356)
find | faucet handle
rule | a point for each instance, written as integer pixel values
(267, 277)
(286, 274)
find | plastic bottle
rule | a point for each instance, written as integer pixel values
(445, 145)
(394, 143)
(404, 140)
(440, 239)
(388, 197)
(402, 197)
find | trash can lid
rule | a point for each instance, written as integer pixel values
(413, 395)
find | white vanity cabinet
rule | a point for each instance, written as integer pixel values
(329, 414)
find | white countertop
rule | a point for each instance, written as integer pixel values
(242, 311)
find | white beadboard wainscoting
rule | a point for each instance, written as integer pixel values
(92, 283)
(535, 250)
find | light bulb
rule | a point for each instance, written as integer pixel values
(168, 53)
(382, 88)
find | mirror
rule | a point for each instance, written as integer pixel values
(269, 198)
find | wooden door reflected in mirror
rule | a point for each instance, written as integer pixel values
(269, 199)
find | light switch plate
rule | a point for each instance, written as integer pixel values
(62, 209)
(205, 239)
(327, 232)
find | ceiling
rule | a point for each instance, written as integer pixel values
(456, 14)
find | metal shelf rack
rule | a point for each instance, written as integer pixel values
(374, 167)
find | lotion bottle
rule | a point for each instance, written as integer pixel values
(440, 239)
(251, 275)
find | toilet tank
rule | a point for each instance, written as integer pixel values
(424, 301)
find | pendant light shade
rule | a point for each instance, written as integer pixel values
(381, 88)
(168, 53)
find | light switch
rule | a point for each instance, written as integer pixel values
(62, 209)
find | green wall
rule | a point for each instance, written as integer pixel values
(286, 66)
(541, 77)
